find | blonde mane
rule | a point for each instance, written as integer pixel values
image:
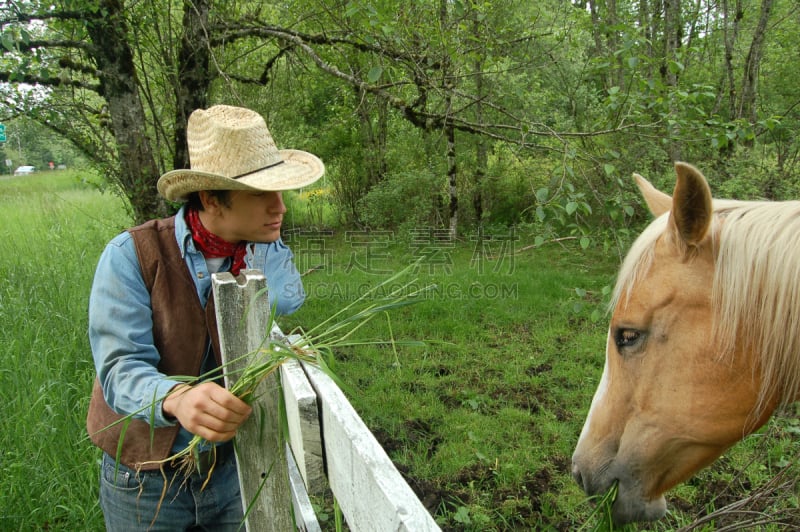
(756, 289)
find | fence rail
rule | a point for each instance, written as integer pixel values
(328, 447)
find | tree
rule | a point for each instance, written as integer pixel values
(574, 88)
(117, 72)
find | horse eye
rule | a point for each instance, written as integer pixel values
(627, 338)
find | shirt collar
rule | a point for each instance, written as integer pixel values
(183, 234)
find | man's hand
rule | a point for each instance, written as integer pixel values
(207, 410)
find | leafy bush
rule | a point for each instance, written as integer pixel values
(404, 199)
(506, 193)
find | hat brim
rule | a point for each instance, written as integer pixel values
(299, 169)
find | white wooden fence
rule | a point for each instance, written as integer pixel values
(329, 445)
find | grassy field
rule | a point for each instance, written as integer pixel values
(482, 421)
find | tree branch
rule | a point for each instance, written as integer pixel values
(47, 81)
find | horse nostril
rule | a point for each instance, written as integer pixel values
(576, 474)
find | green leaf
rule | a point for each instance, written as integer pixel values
(571, 207)
(352, 8)
(462, 515)
(675, 67)
(374, 74)
(542, 194)
(7, 42)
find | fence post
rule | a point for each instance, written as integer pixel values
(243, 321)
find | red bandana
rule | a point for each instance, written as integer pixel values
(212, 246)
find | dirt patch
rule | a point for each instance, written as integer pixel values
(538, 369)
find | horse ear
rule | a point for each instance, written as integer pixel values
(657, 201)
(691, 204)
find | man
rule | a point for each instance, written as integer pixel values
(151, 318)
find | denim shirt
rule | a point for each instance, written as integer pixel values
(120, 322)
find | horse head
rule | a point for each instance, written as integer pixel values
(674, 394)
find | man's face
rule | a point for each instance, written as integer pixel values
(250, 216)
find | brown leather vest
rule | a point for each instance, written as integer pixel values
(181, 327)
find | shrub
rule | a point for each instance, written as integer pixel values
(403, 199)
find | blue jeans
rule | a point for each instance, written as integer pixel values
(130, 500)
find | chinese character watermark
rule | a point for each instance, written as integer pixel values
(497, 248)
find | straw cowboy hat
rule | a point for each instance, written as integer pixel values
(230, 148)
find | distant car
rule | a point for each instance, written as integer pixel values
(25, 170)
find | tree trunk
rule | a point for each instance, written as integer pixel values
(138, 171)
(449, 131)
(749, 93)
(599, 49)
(730, 32)
(193, 75)
(373, 120)
(481, 153)
(451, 179)
(645, 22)
(673, 33)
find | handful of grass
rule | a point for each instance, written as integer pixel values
(314, 346)
(273, 353)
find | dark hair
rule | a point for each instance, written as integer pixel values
(193, 199)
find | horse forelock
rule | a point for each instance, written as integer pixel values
(638, 260)
(756, 288)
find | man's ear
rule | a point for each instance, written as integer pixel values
(209, 201)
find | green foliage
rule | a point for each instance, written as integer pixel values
(566, 212)
(370, 87)
(310, 209)
(507, 189)
(29, 143)
(402, 201)
(743, 177)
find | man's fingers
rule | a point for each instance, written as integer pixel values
(230, 402)
(212, 435)
(211, 412)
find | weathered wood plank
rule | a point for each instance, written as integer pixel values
(370, 490)
(305, 436)
(305, 517)
(243, 320)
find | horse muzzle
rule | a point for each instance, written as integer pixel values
(630, 505)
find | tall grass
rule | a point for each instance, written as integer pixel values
(52, 229)
(482, 424)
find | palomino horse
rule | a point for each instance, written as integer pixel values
(703, 345)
